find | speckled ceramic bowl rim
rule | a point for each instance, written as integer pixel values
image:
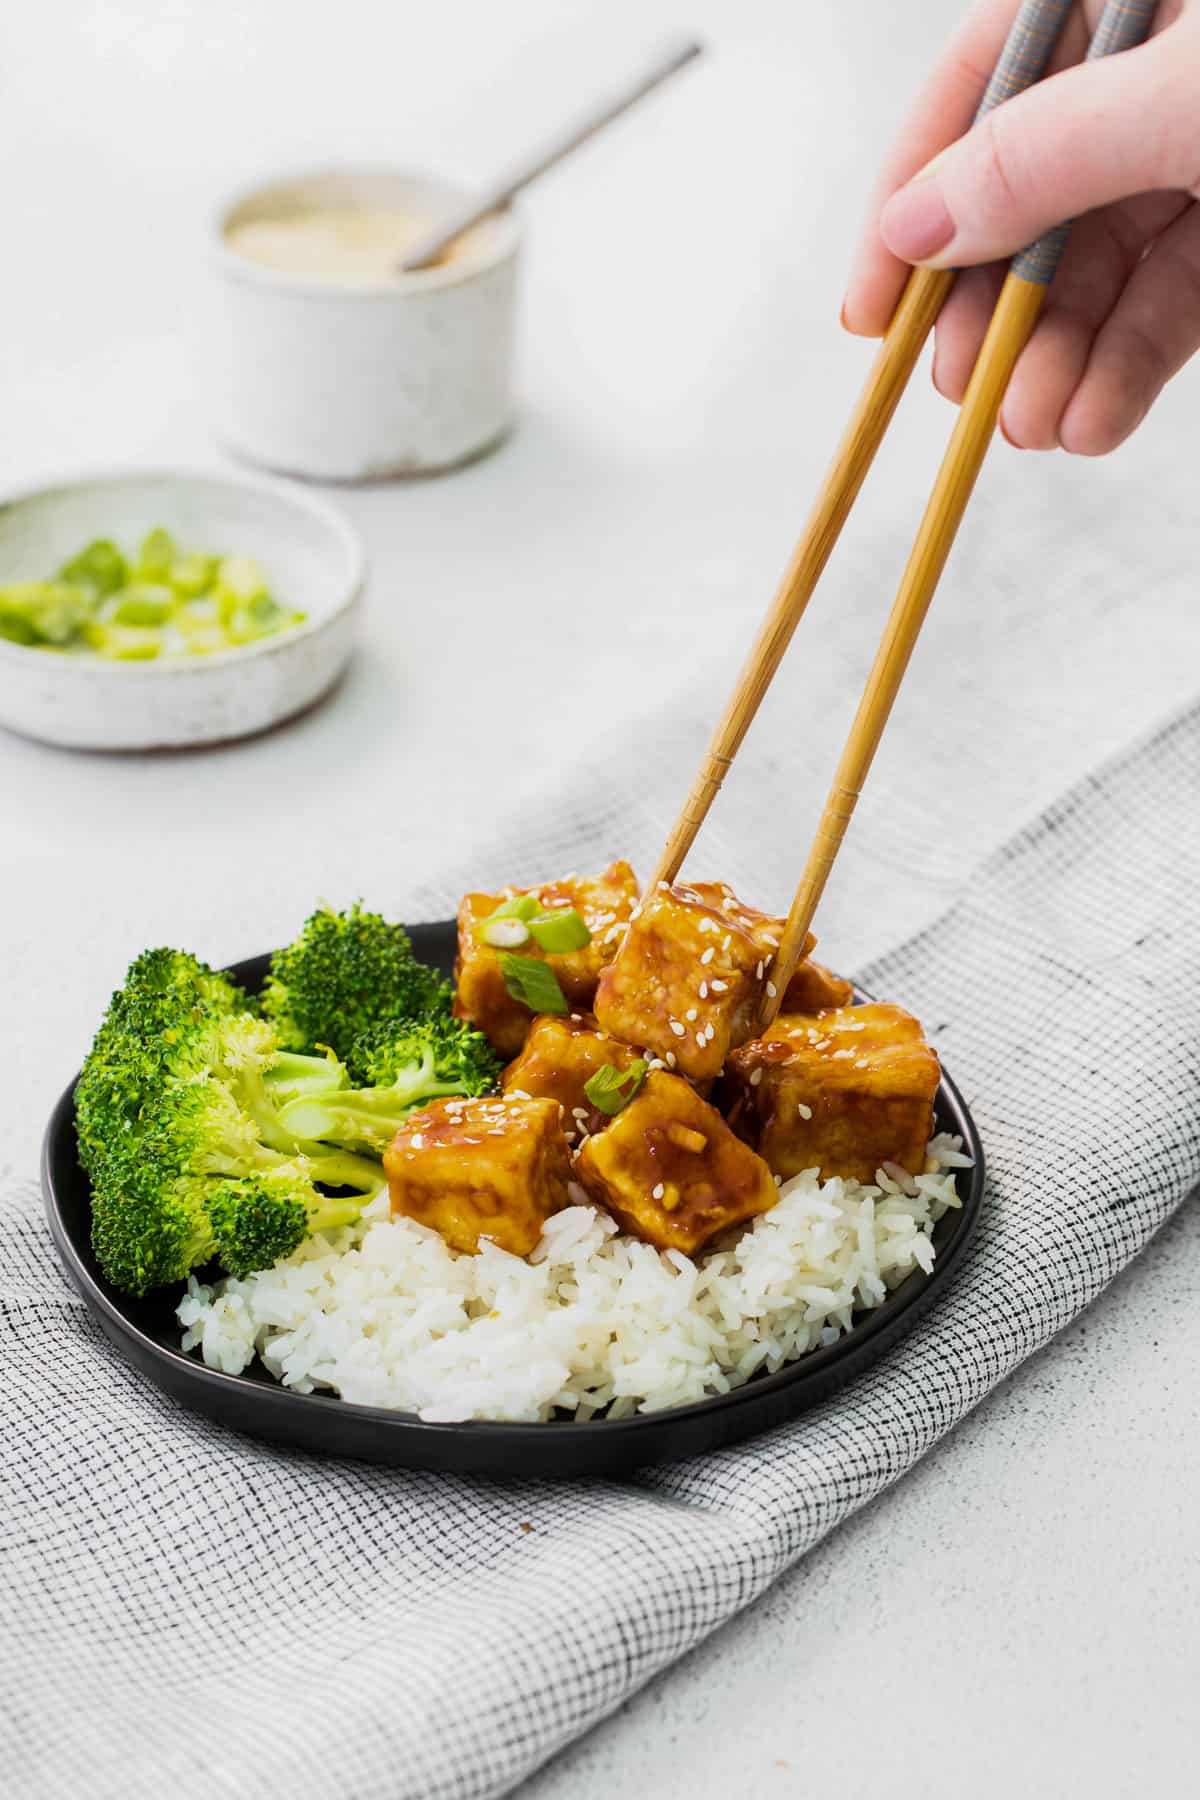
(423, 281)
(339, 528)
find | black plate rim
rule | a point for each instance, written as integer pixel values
(626, 1435)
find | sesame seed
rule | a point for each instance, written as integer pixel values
(778, 1180)
(804, 1111)
(701, 1039)
(677, 1028)
(656, 1062)
(755, 1077)
(658, 1192)
(517, 1094)
(728, 941)
(772, 990)
(704, 990)
(690, 1014)
(708, 955)
(718, 987)
(758, 971)
(839, 1054)
(418, 1142)
(670, 1059)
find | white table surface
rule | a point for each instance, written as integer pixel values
(1022, 1611)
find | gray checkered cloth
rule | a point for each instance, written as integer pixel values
(186, 1612)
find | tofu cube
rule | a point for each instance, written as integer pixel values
(671, 1171)
(842, 1091)
(690, 976)
(559, 1058)
(493, 1168)
(814, 988)
(604, 902)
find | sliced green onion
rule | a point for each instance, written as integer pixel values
(559, 932)
(192, 574)
(521, 906)
(520, 909)
(124, 643)
(505, 934)
(240, 580)
(156, 555)
(158, 602)
(142, 604)
(611, 1089)
(100, 566)
(15, 627)
(533, 983)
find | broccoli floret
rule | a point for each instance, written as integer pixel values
(175, 1111)
(265, 1216)
(347, 972)
(148, 1034)
(407, 1065)
(146, 1234)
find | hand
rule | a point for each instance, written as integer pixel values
(1114, 144)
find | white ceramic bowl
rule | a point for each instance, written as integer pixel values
(311, 557)
(351, 382)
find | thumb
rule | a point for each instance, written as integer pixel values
(1096, 133)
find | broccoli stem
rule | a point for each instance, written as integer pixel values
(370, 1116)
(341, 1168)
(291, 1076)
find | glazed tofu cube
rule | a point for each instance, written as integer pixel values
(689, 977)
(841, 1091)
(671, 1171)
(814, 988)
(490, 1168)
(559, 1058)
(604, 902)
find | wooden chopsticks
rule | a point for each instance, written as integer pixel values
(1023, 61)
(1123, 24)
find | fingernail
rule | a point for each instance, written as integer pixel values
(916, 223)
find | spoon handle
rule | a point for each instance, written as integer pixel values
(665, 64)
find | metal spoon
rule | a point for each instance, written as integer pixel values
(429, 248)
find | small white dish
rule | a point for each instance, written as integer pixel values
(359, 379)
(313, 562)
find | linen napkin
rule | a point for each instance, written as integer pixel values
(185, 1611)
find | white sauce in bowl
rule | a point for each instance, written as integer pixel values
(344, 245)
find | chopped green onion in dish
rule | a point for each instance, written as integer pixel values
(161, 601)
(505, 934)
(507, 928)
(533, 983)
(611, 1089)
(559, 932)
(517, 920)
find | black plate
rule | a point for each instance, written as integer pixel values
(145, 1331)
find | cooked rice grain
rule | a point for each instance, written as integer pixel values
(385, 1314)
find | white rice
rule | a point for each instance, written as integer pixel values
(385, 1314)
